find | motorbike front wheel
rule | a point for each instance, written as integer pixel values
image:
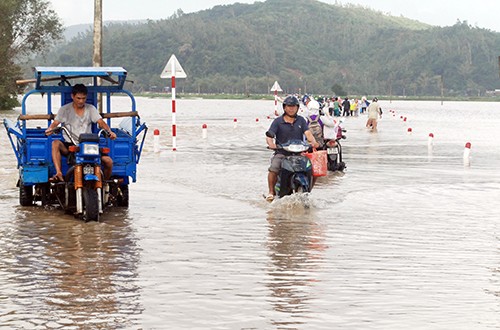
(90, 205)
(300, 189)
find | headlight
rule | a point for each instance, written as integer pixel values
(296, 148)
(91, 149)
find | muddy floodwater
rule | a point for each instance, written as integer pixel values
(406, 238)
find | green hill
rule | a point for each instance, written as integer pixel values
(306, 45)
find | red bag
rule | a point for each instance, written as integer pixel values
(319, 160)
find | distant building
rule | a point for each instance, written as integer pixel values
(496, 92)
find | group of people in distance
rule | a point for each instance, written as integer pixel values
(354, 107)
(292, 126)
(348, 107)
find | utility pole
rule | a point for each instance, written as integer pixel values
(499, 65)
(97, 56)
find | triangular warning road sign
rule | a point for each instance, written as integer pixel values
(177, 68)
(276, 87)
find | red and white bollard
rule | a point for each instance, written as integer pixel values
(409, 130)
(430, 140)
(467, 154)
(204, 131)
(235, 122)
(156, 140)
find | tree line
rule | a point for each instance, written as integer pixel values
(27, 27)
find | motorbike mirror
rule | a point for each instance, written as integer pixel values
(270, 134)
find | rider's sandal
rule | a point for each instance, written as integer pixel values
(55, 178)
(270, 198)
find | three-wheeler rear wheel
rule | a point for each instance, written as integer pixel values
(25, 194)
(122, 196)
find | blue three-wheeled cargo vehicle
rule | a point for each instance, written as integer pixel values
(83, 192)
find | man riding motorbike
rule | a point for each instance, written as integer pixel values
(78, 115)
(288, 126)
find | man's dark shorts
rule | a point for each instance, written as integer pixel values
(276, 163)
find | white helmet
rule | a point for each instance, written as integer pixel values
(313, 105)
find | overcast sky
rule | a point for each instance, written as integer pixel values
(480, 13)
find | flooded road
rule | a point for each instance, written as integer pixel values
(407, 237)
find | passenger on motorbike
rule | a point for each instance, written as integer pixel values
(313, 116)
(313, 106)
(288, 126)
(78, 117)
(330, 128)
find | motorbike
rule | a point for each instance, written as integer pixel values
(333, 148)
(295, 175)
(84, 193)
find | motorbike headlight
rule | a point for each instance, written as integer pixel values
(296, 148)
(91, 149)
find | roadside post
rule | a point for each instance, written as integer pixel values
(173, 70)
(276, 88)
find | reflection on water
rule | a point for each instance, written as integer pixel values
(296, 250)
(68, 272)
(406, 238)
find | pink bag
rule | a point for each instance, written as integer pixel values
(319, 160)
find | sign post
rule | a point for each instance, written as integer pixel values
(276, 88)
(173, 70)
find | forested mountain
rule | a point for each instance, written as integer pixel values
(306, 45)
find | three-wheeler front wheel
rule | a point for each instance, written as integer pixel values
(90, 205)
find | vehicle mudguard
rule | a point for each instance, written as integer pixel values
(90, 177)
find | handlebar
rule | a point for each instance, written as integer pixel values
(105, 132)
(55, 130)
(58, 129)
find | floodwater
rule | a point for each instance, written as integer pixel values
(406, 238)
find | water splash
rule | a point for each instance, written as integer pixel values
(293, 203)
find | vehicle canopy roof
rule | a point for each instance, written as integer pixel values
(50, 80)
(53, 77)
